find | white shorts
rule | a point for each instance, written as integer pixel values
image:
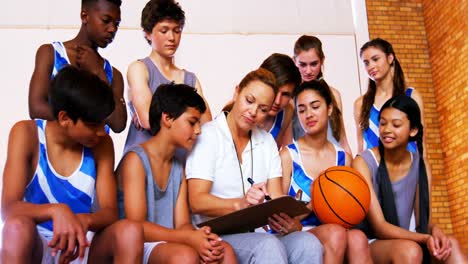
(47, 257)
(148, 248)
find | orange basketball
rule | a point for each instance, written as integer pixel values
(340, 195)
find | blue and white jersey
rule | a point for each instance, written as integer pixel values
(276, 127)
(47, 186)
(371, 134)
(61, 60)
(301, 181)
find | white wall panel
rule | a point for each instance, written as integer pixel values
(13, 13)
(203, 16)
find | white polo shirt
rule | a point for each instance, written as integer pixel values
(214, 158)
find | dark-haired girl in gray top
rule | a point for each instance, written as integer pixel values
(399, 184)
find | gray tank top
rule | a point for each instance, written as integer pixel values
(404, 190)
(134, 136)
(160, 203)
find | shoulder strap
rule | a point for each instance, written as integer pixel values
(138, 149)
(409, 91)
(108, 71)
(190, 79)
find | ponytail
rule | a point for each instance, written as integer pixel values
(335, 118)
(386, 198)
(423, 186)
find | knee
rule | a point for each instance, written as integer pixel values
(336, 240)
(408, 252)
(184, 254)
(357, 241)
(18, 229)
(128, 234)
(229, 254)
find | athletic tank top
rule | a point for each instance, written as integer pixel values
(61, 60)
(371, 134)
(404, 190)
(160, 203)
(134, 136)
(47, 186)
(276, 127)
(301, 181)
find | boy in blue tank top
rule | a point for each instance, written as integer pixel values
(52, 173)
(100, 20)
(152, 186)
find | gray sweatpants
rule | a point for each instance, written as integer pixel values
(295, 248)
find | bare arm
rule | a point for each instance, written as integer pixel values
(18, 172)
(38, 99)
(357, 120)
(139, 91)
(118, 119)
(181, 211)
(274, 187)
(203, 202)
(106, 187)
(207, 115)
(286, 164)
(381, 227)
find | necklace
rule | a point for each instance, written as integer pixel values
(238, 161)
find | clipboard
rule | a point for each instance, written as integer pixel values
(255, 216)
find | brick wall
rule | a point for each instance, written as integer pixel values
(428, 40)
(446, 29)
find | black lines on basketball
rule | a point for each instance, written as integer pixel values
(330, 196)
(346, 190)
(328, 204)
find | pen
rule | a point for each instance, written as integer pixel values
(251, 181)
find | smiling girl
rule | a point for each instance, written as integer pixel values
(399, 184)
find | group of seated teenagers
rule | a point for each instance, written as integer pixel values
(62, 201)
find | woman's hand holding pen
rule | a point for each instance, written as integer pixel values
(255, 195)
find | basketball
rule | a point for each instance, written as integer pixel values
(340, 195)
